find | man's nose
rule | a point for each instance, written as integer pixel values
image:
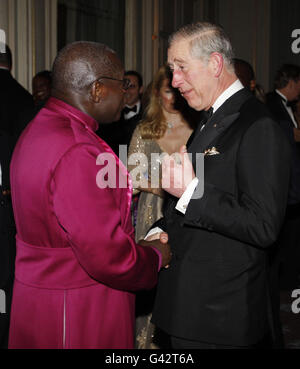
(177, 79)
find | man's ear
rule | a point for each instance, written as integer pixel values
(97, 92)
(217, 64)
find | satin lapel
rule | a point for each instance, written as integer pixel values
(211, 131)
(219, 122)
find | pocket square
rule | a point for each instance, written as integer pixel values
(212, 151)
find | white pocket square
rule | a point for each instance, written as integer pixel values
(212, 151)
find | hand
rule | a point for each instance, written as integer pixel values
(162, 246)
(177, 174)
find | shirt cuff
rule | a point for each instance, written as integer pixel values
(184, 200)
(153, 231)
(150, 233)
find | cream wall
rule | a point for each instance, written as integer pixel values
(30, 28)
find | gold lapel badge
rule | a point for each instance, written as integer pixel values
(212, 151)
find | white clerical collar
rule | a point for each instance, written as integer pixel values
(4, 68)
(231, 90)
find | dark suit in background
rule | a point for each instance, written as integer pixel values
(14, 99)
(289, 241)
(216, 289)
(7, 237)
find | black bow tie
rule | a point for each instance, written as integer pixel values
(288, 103)
(127, 110)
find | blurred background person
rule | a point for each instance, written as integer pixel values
(280, 102)
(41, 87)
(167, 126)
(41, 90)
(246, 75)
(13, 99)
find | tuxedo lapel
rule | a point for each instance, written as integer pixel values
(219, 122)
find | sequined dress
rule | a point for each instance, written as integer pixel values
(147, 151)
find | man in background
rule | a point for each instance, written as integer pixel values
(13, 100)
(287, 90)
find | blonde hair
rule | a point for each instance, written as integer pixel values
(154, 124)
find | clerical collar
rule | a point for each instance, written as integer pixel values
(61, 106)
(231, 90)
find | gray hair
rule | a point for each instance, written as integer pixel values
(205, 39)
(78, 64)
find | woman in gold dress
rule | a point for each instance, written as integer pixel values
(164, 129)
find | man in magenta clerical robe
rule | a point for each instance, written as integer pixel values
(77, 265)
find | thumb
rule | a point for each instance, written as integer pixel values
(163, 237)
(183, 150)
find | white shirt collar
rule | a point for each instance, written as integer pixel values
(231, 90)
(288, 108)
(282, 95)
(131, 113)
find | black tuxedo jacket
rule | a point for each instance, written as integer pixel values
(215, 290)
(14, 99)
(7, 225)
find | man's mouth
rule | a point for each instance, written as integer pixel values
(185, 93)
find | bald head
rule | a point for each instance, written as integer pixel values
(78, 64)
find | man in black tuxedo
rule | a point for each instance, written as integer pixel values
(287, 90)
(215, 293)
(14, 99)
(7, 237)
(120, 132)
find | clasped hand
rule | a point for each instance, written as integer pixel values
(160, 242)
(177, 172)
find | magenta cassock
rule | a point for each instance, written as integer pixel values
(77, 265)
